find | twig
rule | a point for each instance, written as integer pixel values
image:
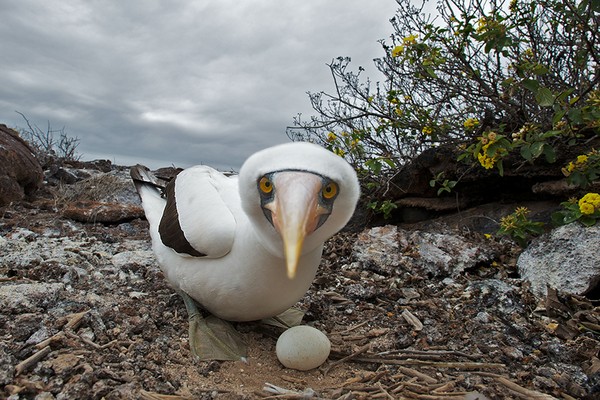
(89, 342)
(417, 374)
(44, 343)
(157, 396)
(524, 392)
(430, 353)
(32, 360)
(458, 365)
(281, 393)
(75, 319)
(353, 327)
(387, 394)
(349, 357)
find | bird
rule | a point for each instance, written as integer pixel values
(245, 247)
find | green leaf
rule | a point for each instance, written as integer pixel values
(575, 116)
(430, 72)
(537, 148)
(389, 162)
(531, 85)
(526, 152)
(550, 154)
(558, 116)
(540, 70)
(544, 97)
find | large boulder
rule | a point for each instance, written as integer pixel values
(566, 259)
(20, 172)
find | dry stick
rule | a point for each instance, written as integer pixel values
(430, 353)
(157, 396)
(385, 392)
(32, 360)
(75, 319)
(58, 336)
(353, 327)
(526, 393)
(417, 374)
(349, 357)
(89, 342)
(459, 365)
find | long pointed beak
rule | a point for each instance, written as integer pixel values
(295, 212)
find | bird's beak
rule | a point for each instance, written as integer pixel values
(295, 212)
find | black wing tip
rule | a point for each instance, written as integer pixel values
(142, 176)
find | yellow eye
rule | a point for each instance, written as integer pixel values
(330, 191)
(265, 185)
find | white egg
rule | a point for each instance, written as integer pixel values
(302, 348)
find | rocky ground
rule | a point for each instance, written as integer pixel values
(412, 312)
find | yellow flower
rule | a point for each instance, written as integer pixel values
(331, 137)
(481, 24)
(397, 51)
(582, 159)
(486, 161)
(589, 203)
(508, 222)
(354, 143)
(411, 39)
(398, 112)
(427, 130)
(339, 152)
(568, 169)
(586, 208)
(592, 198)
(471, 123)
(521, 211)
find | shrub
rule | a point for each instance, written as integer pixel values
(50, 145)
(490, 77)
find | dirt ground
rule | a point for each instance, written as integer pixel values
(81, 320)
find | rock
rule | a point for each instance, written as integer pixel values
(566, 259)
(378, 247)
(93, 211)
(6, 366)
(20, 172)
(139, 257)
(105, 197)
(385, 249)
(28, 297)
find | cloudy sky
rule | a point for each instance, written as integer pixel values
(178, 82)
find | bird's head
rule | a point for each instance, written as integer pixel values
(300, 192)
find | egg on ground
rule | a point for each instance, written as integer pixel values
(302, 347)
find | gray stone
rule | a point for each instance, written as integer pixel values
(28, 297)
(446, 253)
(567, 259)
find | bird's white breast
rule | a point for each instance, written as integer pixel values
(249, 283)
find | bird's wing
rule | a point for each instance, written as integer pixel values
(197, 220)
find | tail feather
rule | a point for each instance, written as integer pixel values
(143, 178)
(151, 190)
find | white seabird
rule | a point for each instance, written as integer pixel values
(246, 247)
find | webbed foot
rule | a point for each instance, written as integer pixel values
(212, 338)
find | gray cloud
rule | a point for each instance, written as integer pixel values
(179, 82)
